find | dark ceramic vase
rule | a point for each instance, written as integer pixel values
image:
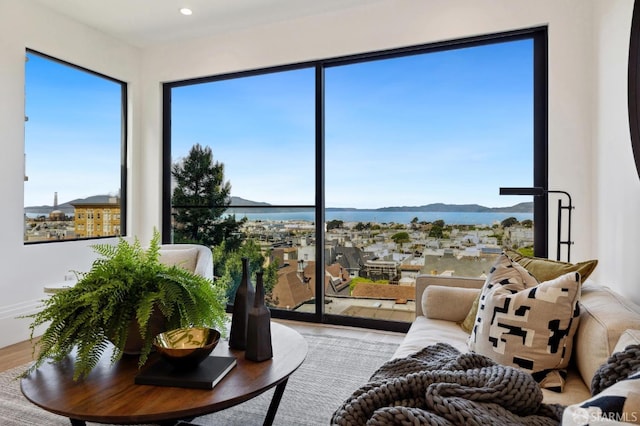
(241, 306)
(259, 327)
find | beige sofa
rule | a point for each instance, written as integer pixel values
(607, 324)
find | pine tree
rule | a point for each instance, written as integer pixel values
(228, 267)
(200, 198)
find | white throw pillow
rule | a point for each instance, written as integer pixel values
(185, 258)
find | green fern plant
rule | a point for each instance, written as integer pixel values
(127, 282)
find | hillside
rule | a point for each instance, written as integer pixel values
(241, 205)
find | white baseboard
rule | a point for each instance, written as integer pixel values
(13, 328)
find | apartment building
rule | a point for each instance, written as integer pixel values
(97, 217)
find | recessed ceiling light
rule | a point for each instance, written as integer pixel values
(186, 11)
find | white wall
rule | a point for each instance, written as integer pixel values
(589, 156)
(395, 23)
(25, 269)
(616, 187)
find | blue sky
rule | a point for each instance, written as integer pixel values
(450, 127)
(72, 138)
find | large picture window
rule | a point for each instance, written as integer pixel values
(420, 144)
(261, 129)
(346, 178)
(74, 152)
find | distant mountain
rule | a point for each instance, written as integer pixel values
(518, 208)
(449, 208)
(241, 205)
(435, 207)
(438, 207)
(237, 201)
(458, 208)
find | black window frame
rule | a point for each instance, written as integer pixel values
(539, 36)
(123, 145)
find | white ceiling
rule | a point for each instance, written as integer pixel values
(149, 22)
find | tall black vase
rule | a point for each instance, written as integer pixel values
(259, 327)
(241, 306)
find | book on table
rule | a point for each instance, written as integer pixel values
(205, 376)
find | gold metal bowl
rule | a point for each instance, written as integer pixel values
(185, 348)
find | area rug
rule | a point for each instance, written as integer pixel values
(335, 366)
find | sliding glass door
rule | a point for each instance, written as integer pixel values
(346, 178)
(260, 129)
(416, 147)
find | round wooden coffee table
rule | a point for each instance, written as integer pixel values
(109, 395)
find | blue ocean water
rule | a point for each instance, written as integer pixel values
(364, 216)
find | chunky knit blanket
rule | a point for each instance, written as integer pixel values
(441, 386)
(618, 366)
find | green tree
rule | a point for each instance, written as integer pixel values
(414, 223)
(228, 269)
(437, 229)
(527, 223)
(438, 222)
(510, 221)
(436, 232)
(334, 224)
(401, 238)
(270, 280)
(201, 196)
(227, 265)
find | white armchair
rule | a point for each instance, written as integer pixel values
(194, 257)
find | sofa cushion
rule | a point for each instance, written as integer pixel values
(437, 302)
(425, 332)
(605, 316)
(526, 324)
(616, 404)
(628, 337)
(574, 390)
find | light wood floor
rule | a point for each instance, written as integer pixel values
(21, 353)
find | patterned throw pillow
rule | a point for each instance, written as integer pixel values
(543, 270)
(526, 324)
(617, 404)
